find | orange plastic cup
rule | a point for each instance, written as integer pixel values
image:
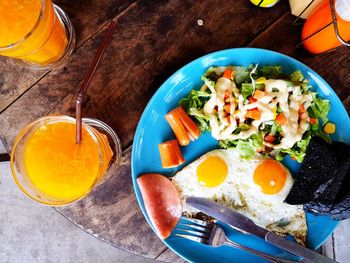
(320, 24)
(35, 32)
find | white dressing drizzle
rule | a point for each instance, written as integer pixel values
(289, 100)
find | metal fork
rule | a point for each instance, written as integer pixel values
(213, 235)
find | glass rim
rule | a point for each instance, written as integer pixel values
(40, 17)
(71, 37)
(91, 132)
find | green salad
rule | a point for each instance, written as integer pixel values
(258, 109)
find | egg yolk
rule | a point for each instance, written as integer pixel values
(271, 176)
(212, 171)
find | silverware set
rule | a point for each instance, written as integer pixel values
(213, 235)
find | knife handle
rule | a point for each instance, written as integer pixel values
(292, 247)
(4, 157)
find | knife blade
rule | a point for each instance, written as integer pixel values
(247, 226)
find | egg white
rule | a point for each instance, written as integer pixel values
(239, 192)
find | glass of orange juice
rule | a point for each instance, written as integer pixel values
(48, 165)
(35, 32)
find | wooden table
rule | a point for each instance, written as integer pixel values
(152, 40)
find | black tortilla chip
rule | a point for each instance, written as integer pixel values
(341, 206)
(339, 187)
(315, 174)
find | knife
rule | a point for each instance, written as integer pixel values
(247, 226)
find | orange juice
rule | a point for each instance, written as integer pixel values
(31, 30)
(60, 168)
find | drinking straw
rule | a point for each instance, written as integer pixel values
(88, 77)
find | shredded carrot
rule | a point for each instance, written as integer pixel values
(313, 121)
(281, 119)
(228, 120)
(301, 109)
(204, 87)
(258, 94)
(170, 154)
(227, 74)
(227, 108)
(253, 114)
(252, 100)
(269, 138)
(227, 94)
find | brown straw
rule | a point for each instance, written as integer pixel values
(87, 80)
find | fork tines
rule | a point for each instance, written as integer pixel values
(194, 229)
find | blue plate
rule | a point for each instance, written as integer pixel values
(154, 129)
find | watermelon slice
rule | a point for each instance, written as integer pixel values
(162, 202)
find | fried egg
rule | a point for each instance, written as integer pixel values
(256, 188)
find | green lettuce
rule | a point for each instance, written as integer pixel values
(241, 74)
(270, 72)
(247, 148)
(297, 76)
(247, 90)
(319, 108)
(195, 99)
(194, 103)
(201, 119)
(297, 152)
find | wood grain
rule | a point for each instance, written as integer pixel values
(87, 17)
(152, 40)
(337, 246)
(170, 256)
(111, 213)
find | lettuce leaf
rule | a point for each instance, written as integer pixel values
(201, 119)
(297, 76)
(247, 90)
(193, 104)
(270, 72)
(195, 99)
(297, 152)
(247, 148)
(241, 74)
(212, 74)
(319, 108)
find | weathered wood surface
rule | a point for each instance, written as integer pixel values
(337, 246)
(152, 40)
(87, 17)
(170, 256)
(123, 225)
